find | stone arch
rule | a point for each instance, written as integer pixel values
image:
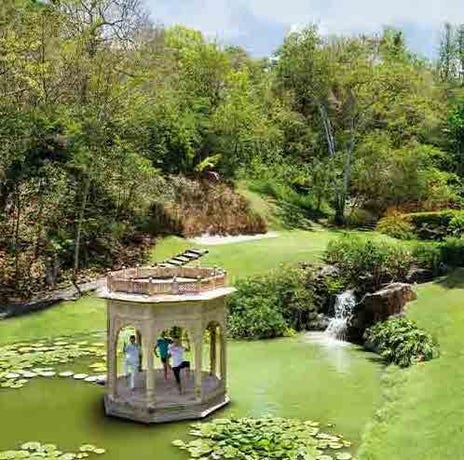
(123, 333)
(213, 333)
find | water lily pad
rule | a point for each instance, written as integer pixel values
(12, 375)
(47, 373)
(335, 445)
(31, 445)
(29, 374)
(66, 374)
(343, 456)
(8, 454)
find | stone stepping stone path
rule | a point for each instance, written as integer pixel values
(184, 258)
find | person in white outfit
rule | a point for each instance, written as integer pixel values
(131, 360)
(176, 351)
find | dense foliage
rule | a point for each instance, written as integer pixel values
(423, 225)
(263, 438)
(400, 341)
(369, 263)
(274, 304)
(101, 110)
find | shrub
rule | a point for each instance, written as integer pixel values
(452, 251)
(192, 207)
(369, 263)
(272, 304)
(427, 256)
(358, 217)
(432, 219)
(400, 341)
(397, 226)
(255, 318)
(437, 225)
(456, 225)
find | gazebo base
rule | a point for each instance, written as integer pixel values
(168, 405)
(159, 414)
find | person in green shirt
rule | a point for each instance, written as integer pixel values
(162, 347)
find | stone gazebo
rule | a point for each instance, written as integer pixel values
(153, 300)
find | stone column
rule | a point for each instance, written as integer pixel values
(112, 344)
(148, 341)
(198, 347)
(223, 356)
(138, 338)
(212, 350)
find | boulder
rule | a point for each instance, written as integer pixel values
(319, 323)
(378, 306)
(419, 275)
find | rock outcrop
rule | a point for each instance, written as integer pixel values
(378, 306)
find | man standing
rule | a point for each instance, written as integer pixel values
(131, 360)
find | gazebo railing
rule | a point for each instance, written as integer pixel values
(166, 280)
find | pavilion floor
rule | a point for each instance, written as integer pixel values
(166, 391)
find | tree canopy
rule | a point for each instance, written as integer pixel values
(99, 105)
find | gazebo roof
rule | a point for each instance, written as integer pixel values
(158, 284)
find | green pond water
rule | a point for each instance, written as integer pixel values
(294, 377)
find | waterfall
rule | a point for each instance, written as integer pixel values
(344, 305)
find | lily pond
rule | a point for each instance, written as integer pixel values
(49, 394)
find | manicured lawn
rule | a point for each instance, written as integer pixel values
(422, 414)
(67, 318)
(247, 258)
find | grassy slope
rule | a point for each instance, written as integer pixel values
(265, 206)
(422, 415)
(248, 258)
(67, 318)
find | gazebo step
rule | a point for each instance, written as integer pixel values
(200, 252)
(184, 258)
(177, 263)
(181, 258)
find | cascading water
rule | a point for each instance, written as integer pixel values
(344, 305)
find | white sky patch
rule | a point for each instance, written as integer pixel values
(355, 14)
(261, 21)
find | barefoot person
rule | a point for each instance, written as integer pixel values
(131, 360)
(176, 351)
(162, 352)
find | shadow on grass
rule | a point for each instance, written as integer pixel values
(455, 280)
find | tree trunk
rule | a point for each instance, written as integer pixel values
(80, 221)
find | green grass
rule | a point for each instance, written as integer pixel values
(421, 417)
(253, 257)
(263, 205)
(168, 247)
(66, 318)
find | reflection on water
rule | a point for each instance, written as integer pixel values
(263, 403)
(338, 353)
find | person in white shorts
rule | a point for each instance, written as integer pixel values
(176, 352)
